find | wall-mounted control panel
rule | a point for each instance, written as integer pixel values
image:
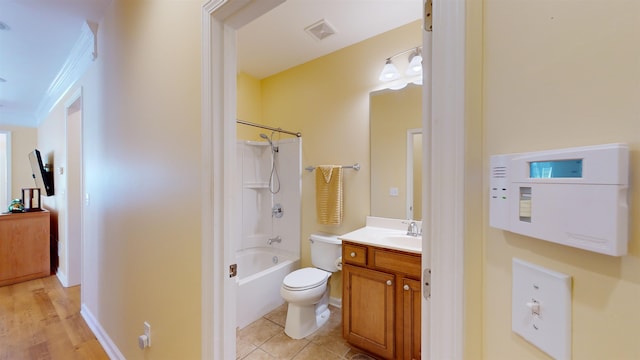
(576, 197)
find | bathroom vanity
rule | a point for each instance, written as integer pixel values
(381, 295)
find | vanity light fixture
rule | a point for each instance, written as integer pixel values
(415, 63)
(390, 71)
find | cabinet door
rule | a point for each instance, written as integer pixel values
(411, 318)
(368, 310)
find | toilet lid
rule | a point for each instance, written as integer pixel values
(306, 278)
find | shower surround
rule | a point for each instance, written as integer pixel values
(268, 225)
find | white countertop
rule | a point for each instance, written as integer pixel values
(386, 233)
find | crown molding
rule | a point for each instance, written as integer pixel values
(83, 53)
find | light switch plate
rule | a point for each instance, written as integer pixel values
(541, 308)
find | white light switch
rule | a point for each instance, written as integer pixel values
(541, 308)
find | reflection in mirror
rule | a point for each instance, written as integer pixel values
(414, 174)
(395, 167)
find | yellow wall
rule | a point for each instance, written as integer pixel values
(327, 99)
(142, 153)
(23, 141)
(561, 74)
(249, 100)
(473, 184)
(146, 193)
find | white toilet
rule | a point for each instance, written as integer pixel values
(307, 290)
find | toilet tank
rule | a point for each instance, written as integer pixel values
(325, 250)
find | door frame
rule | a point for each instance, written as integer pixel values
(220, 21)
(73, 245)
(443, 181)
(443, 198)
(7, 151)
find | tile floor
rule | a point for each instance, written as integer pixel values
(265, 339)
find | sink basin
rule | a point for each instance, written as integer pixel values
(404, 240)
(386, 233)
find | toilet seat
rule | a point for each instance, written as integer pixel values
(305, 279)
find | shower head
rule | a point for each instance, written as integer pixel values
(264, 136)
(274, 148)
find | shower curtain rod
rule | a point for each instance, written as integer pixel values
(298, 134)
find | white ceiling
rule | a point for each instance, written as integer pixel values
(41, 34)
(40, 37)
(278, 41)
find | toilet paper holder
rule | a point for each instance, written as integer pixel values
(338, 263)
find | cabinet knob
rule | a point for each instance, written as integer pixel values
(353, 254)
(406, 287)
(389, 282)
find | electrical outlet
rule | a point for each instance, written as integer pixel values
(144, 341)
(147, 332)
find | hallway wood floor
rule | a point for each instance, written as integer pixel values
(40, 320)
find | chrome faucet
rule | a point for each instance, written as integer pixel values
(413, 229)
(277, 239)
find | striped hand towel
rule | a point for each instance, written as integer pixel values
(329, 194)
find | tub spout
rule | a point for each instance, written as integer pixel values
(277, 239)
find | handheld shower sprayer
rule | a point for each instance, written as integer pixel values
(273, 147)
(264, 136)
(274, 178)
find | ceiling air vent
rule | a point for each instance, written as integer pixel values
(320, 30)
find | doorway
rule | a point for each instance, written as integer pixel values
(444, 173)
(73, 184)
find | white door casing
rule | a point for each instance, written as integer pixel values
(445, 201)
(5, 168)
(73, 190)
(220, 21)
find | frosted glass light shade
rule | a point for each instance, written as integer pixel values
(389, 72)
(415, 65)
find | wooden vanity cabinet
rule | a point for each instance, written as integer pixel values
(381, 300)
(411, 321)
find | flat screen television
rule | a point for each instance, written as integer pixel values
(43, 178)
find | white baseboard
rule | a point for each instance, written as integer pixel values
(337, 302)
(109, 347)
(63, 278)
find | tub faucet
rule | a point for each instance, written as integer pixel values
(277, 239)
(413, 229)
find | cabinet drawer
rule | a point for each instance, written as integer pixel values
(397, 262)
(354, 254)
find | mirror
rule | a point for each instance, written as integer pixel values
(396, 152)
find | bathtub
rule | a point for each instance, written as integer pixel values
(260, 274)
